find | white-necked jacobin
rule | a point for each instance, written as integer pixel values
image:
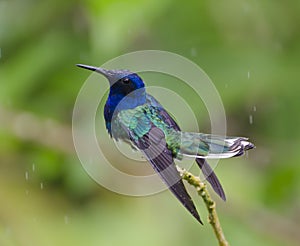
(136, 117)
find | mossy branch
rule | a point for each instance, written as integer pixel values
(202, 191)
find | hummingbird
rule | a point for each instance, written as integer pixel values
(134, 116)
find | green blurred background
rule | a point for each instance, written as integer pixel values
(251, 51)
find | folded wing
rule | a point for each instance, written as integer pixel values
(151, 141)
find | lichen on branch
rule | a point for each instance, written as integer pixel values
(202, 191)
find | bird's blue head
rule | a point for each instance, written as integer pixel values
(127, 89)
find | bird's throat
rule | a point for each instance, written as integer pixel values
(117, 101)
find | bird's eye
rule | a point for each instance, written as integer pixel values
(125, 80)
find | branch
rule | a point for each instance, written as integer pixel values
(213, 218)
(27, 126)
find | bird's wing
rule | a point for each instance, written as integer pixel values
(207, 171)
(151, 141)
(166, 117)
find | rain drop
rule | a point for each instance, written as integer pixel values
(41, 185)
(66, 219)
(193, 52)
(26, 175)
(250, 119)
(248, 74)
(33, 167)
(254, 108)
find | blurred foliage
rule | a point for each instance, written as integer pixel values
(251, 51)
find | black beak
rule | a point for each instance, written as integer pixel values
(107, 73)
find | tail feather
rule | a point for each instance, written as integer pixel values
(211, 177)
(213, 147)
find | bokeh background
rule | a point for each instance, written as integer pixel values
(250, 50)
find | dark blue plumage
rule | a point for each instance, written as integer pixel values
(135, 116)
(130, 90)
